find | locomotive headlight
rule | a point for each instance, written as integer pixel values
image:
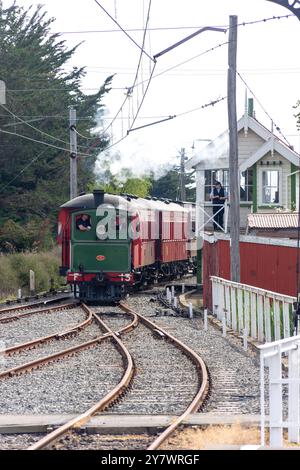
(100, 230)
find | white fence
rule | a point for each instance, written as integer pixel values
(264, 315)
(280, 389)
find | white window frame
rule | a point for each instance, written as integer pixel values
(269, 168)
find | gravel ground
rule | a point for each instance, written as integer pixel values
(165, 380)
(90, 332)
(83, 441)
(18, 441)
(40, 324)
(234, 373)
(70, 385)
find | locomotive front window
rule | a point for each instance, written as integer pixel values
(83, 222)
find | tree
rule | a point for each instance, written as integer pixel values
(34, 178)
(124, 182)
(168, 185)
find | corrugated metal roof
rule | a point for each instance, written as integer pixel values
(273, 220)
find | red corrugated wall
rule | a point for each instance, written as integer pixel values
(271, 267)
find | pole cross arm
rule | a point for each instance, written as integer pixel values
(206, 28)
(292, 5)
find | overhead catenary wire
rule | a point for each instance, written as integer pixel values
(36, 128)
(168, 28)
(124, 31)
(264, 110)
(129, 89)
(41, 142)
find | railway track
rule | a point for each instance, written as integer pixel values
(116, 396)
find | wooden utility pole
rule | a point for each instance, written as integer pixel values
(73, 152)
(182, 175)
(234, 182)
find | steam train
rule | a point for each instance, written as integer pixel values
(112, 244)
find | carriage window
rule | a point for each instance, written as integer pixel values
(83, 222)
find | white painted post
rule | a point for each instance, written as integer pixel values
(246, 304)
(205, 319)
(294, 395)
(275, 394)
(245, 339)
(175, 302)
(276, 309)
(182, 288)
(262, 399)
(215, 297)
(224, 326)
(32, 282)
(267, 315)
(227, 303)
(240, 311)
(221, 301)
(19, 293)
(168, 293)
(172, 292)
(260, 318)
(286, 319)
(253, 315)
(190, 310)
(233, 309)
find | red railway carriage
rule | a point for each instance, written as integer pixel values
(112, 243)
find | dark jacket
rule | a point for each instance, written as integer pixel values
(221, 193)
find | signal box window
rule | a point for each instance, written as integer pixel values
(83, 222)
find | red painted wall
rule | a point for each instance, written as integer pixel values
(271, 267)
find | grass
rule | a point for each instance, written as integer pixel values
(14, 272)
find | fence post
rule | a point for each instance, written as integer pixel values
(246, 309)
(32, 282)
(275, 393)
(294, 388)
(267, 315)
(276, 319)
(205, 319)
(19, 294)
(286, 319)
(245, 339)
(253, 315)
(223, 326)
(227, 303)
(240, 311)
(190, 310)
(233, 309)
(260, 318)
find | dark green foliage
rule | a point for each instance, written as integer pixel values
(34, 179)
(167, 186)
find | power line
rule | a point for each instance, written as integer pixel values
(167, 28)
(129, 90)
(41, 142)
(23, 169)
(37, 129)
(264, 110)
(124, 31)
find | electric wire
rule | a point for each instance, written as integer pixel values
(124, 31)
(264, 110)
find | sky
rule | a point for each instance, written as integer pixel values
(267, 59)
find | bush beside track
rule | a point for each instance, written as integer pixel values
(14, 272)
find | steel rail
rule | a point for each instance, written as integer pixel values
(42, 310)
(202, 370)
(37, 363)
(105, 401)
(58, 335)
(32, 305)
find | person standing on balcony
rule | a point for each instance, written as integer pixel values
(218, 197)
